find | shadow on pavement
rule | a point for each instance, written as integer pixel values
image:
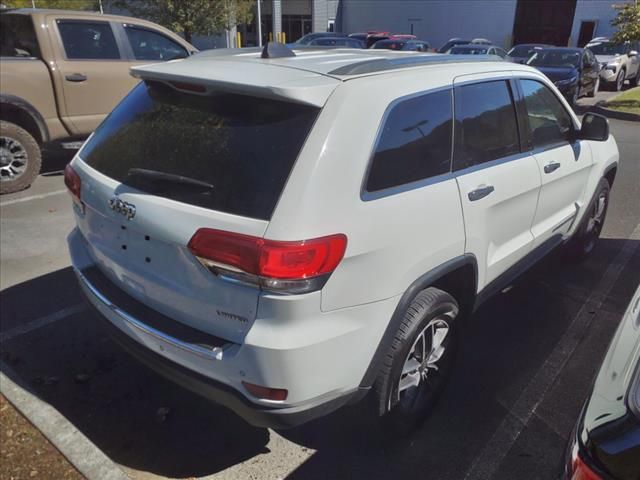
(118, 404)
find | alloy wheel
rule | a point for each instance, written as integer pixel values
(13, 159)
(595, 222)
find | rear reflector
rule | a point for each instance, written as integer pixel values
(296, 267)
(266, 393)
(72, 181)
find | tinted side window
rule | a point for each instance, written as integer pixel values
(17, 36)
(88, 40)
(148, 45)
(549, 122)
(415, 142)
(486, 127)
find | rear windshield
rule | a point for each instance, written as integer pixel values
(243, 147)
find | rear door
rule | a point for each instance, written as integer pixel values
(93, 71)
(221, 163)
(563, 162)
(498, 183)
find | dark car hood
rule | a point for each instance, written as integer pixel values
(558, 73)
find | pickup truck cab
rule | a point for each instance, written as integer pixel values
(61, 73)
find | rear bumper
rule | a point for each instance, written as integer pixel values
(218, 392)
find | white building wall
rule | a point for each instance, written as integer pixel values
(601, 11)
(433, 20)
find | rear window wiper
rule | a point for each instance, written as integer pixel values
(155, 182)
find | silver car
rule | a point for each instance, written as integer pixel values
(619, 62)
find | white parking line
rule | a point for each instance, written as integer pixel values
(41, 322)
(491, 457)
(32, 197)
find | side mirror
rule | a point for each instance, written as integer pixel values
(633, 53)
(594, 127)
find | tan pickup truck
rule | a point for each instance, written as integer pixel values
(61, 73)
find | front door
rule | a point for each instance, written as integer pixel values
(564, 163)
(498, 183)
(93, 74)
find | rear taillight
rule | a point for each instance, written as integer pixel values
(72, 181)
(286, 267)
(582, 471)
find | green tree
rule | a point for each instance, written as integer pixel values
(62, 4)
(192, 17)
(628, 23)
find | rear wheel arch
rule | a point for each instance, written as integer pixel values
(20, 112)
(457, 277)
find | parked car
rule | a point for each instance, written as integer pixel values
(605, 443)
(452, 42)
(340, 42)
(310, 37)
(481, 41)
(61, 73)
(478, 49)
(239, 264)
(523, 52)
(405, 45)
(574, 71)
(619, 62)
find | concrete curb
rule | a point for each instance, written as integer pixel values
(631, 117)
(73, 444)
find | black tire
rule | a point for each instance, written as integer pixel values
(19, 153)
(634, 81)
(619, 85)
(429, 312)
(595, 88)
(586, 236)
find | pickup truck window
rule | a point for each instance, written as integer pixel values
(18, 37)
(149, 45)
(88, 40)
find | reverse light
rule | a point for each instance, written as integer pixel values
(280, 266)
(266, 393)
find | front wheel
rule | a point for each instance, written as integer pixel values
(596, 87)
(586, 237)
(418, 361)
(20, 158)
(620, 79)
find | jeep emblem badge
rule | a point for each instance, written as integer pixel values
(125, 208)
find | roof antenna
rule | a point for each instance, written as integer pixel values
(276, 50)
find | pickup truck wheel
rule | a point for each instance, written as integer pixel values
(20, 158)
(418, 361)
(587, 234)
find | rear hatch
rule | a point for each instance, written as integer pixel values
(173, 158)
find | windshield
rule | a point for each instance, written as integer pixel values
(468, 50)
(607, 48)
(394, 45)
(523, 51)
(242, 147)
(555, 58)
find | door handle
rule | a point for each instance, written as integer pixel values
(76, 77)
(551, 167)
(480, 192)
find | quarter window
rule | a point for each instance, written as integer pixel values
(148, 45)
(17, 36)
(549, 122)
(486, 126)
(415, 142)
(88, 40)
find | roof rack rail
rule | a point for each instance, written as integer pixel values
(383, 64)
(276, 50)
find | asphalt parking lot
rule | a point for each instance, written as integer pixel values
(524, 368)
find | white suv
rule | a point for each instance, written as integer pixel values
(286, 232)
(619, 62)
